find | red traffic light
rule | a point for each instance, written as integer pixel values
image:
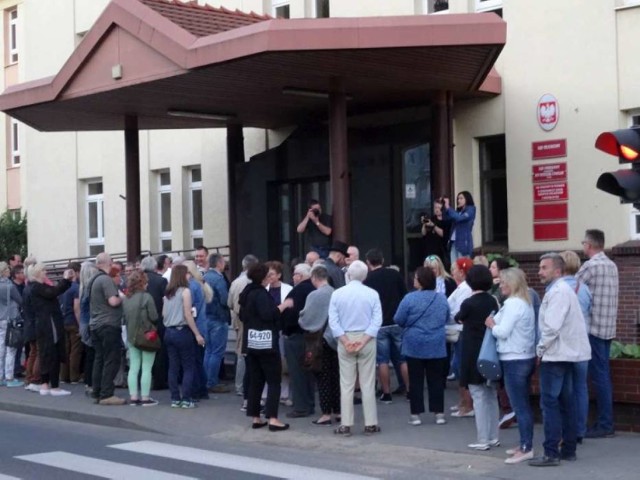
(624, 144)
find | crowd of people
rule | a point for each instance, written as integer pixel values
(339, 332)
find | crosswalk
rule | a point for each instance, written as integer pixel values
(97, 467)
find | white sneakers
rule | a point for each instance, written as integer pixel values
(54, 392)
(415, 420)
(440, 419)
(460, 413)
(485, 446)
(32, 387)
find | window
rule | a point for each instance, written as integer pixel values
(280, 9)
(493, 190)
(164, 206)
(488, 5)
(195, 200)
(322, 8)
(15, 214)
(435, 6)
(95, 217)
(635, 224)
(15, 143)
(13, 36)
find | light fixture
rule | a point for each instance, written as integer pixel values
(220, 117)
(301, 92)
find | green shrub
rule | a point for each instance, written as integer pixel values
(13, 235)
(618, 350)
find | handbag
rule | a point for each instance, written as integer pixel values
(488, 362)
(146, 337)
(312, 360)
(15, 327)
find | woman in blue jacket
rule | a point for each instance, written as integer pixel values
(461, 231)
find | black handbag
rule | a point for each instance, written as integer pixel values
(312, 360)
(15, 327)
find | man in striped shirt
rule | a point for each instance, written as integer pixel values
(600, 274)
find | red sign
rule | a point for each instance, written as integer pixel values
(549, 149)
(550, 231)
(550, 192)
(550, 211)
(549, 172)
(548, 112)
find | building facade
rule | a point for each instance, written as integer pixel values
(526, 155)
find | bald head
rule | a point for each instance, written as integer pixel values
(311, 258)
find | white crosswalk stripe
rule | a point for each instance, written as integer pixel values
(97, 467)
(7, 477)
(235, 462)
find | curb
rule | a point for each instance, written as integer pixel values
(99, 420)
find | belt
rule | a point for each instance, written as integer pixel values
(177, 327)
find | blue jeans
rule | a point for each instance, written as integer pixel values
(601, 381)
(215, 346)
(581, 394)
(181, 353)
(517, 380)
(389, 348)
(557, 402)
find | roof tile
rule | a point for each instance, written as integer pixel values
(203, 20)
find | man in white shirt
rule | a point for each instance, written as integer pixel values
(355, 316)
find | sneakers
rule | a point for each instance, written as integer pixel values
(386, 398)
(484, 446)
(188, 404)
(176, 403)
(507, 420)
(371, 429)
(58, 392)
(414, 420)
(32, 387)
(591, 433)
(451, 377)
(3, 383)
(440, 419)
(460, 413)
(243, 408)
(519, 456)
(111, 401)
(150, 402)
(44, 390)
(494, 443)
(14, 383)
(343, 431)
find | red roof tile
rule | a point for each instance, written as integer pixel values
(203, 20)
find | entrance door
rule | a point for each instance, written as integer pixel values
(493, 178)
(288, 203)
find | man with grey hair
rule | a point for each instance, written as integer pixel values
(301, 381)
(355, 316)
(105, 322)
(563, 341)
(233, 302)
(218, 320)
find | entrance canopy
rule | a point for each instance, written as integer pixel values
(181, 65)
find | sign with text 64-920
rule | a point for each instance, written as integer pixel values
(259, 339)
(550, 192)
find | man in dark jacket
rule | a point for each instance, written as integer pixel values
(301, 381)
(156, 287)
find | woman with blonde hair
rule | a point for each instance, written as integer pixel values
(445, 284)
(514, 329)
(201, 294)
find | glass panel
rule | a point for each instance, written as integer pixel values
(14, 128)
(93, 220)
(165, 212)
(322, 8)
(95, 188)
(196, 208)
(196, 175)
(95, 250)
(165, 179)
(282, 12)
(416, 194)
(197, 242)
(165, 245)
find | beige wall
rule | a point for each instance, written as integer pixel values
(628, 40)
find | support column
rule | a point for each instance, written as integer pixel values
(339, 162)
(235, 155)
(442, 145)
(132, 186)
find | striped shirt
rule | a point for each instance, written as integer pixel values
(600, 274)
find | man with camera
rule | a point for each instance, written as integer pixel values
(318, 228)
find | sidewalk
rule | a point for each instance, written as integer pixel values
(438, 448)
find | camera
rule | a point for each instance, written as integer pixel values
(316, 212)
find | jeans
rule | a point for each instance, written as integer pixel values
(581, 395)
(199, 376)
(301, 382)
(557, 402)
(485, 404)
(601, 381)
(7, 354)
(517, 381)
(389, 348)
(140, 363)
(215, 346)
(181, 355)
(107, 343)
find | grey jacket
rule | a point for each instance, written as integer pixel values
(315, 314)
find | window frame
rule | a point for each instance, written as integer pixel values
(97, 198)
(488, 5)
(12, 36)
(276, 4)
(164, 236)
(14, 140)
(195, 234)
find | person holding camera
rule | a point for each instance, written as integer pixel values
(436, 230)
(318, 228)
(463, 218)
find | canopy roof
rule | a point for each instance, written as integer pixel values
(166, 61)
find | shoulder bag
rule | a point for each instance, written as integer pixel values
(312, 360)
(488, 362)
(15, 326)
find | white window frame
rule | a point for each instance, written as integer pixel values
(194, 186)
(14, 133)
(164, 190)
(488, 5)
(13, 35)
(428, 8)
(99, 200)
(275, 4)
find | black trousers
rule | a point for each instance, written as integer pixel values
(329, 381)
(90, 355)
(264, 368)
(52, 372)
(107, 344)
(435, 370)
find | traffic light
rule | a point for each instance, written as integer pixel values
(624, 144)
